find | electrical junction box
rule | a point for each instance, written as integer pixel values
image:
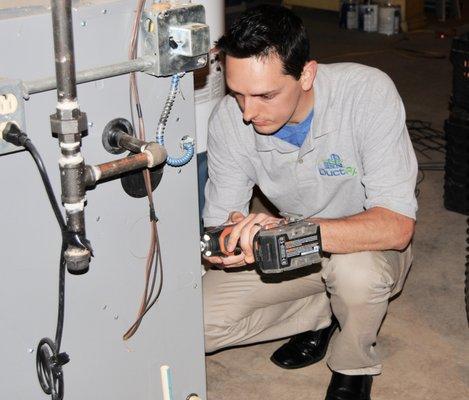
(11, 110)
(177, 36)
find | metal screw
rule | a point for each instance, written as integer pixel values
(104, 11)
(196, 286)
(178, 119)
(90, 124)
(83, 23)
(30, 350)
(104, 307)
(98, 219)
(116, 316)
(179, 171)
(201, 61)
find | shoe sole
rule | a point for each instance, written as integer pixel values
(298, 366)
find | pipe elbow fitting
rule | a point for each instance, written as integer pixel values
(156, 153)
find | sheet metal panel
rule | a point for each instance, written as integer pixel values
(102, 304)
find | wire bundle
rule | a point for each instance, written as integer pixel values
(153, 260)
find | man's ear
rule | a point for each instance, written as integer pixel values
(308, 75)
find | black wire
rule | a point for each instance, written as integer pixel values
(49, 360)
(47, 185)
(63, 228)
(61, 307)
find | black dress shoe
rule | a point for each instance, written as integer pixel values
(304, 349)
(349, 387)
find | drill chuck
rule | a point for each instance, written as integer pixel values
(214, 241)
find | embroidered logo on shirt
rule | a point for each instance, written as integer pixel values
(334, 166)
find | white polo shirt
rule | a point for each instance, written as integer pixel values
(357, 154)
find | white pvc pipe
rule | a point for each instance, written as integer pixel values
(166, 382)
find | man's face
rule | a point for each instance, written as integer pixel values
(267, 97)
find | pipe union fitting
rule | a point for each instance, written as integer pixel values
(67, 129)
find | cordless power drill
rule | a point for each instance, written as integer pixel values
(282, 248)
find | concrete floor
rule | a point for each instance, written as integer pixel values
(425, 337)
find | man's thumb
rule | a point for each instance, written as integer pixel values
(235, 217)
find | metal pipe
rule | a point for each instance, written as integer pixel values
(152, 155)
(63, 49)
(112, 169)
(130, 143)
(68, 123)
(90, 75)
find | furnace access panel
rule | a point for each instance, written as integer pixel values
(103, 303)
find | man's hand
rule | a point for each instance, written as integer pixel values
(242, 235)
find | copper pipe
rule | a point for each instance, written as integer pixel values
(112, 169)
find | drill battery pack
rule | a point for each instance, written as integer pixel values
(287, 247)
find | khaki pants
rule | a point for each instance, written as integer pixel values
(241, 307)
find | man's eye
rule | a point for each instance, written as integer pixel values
(267, 96)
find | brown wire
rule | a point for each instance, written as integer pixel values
(150, 273)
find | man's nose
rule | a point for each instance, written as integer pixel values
(249, 110)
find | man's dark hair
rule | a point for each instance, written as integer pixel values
(268, 29)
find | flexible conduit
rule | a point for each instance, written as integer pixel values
(188, 144)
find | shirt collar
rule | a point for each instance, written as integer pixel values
(270, 142)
